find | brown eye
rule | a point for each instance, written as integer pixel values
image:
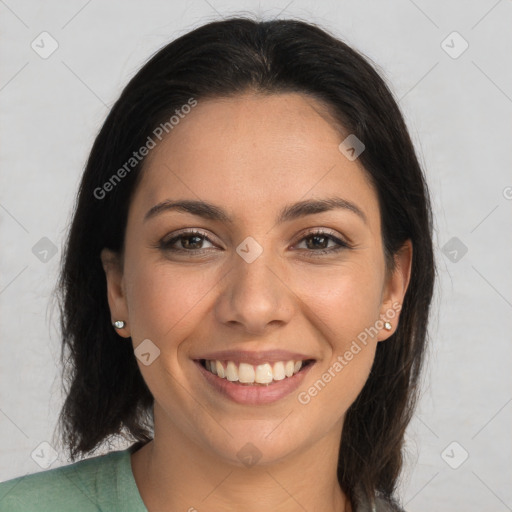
(317, 243)
(190, 241)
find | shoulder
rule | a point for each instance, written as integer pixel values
(87, 485)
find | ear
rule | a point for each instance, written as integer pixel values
(395, 288)
(115, 290)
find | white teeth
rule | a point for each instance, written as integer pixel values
(220, 369)
(278, 371)
(231, 371)
(248, 374)
(263, 373)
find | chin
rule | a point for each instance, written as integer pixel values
(257, 442)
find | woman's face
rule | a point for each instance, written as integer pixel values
(256, 285)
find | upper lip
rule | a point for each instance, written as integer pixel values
(255, 357)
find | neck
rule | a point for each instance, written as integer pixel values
(174, 473)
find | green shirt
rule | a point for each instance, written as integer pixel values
(104, 483)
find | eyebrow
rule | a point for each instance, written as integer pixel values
(288, 213)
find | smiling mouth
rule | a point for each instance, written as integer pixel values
(255, 375)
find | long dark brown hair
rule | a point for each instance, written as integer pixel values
(105, 393)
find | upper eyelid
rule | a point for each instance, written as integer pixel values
(186, 231)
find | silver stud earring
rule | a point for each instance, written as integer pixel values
(387, 326)
(118, 324)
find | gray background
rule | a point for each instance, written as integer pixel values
(458, 111)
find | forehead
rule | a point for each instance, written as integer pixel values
(253, 153)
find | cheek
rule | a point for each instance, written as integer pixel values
(345, 299)
(345, 307)
(163, 297)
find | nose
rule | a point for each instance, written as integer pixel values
(255, 295)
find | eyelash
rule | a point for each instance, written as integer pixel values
(166, 244)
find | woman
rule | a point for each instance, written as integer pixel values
(246, 286)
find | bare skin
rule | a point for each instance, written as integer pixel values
(251, 155)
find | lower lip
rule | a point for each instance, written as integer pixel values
(257, 394)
